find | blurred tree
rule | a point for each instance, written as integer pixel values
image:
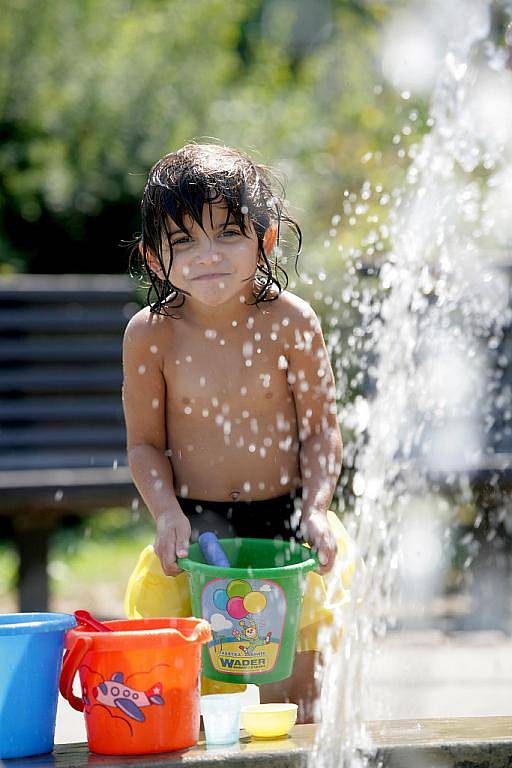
(93, 92)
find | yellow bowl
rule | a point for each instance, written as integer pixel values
(267, 721)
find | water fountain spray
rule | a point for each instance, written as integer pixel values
(438, 313)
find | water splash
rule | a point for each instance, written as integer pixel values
(438, 312)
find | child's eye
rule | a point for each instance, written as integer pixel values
(181, 240)
(230, 232)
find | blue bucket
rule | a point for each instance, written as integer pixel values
(31, 646)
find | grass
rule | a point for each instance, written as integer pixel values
(89, 564)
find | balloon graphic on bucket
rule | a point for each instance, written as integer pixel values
(239, 599)
(254, 607)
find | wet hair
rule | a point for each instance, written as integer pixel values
(178, 187)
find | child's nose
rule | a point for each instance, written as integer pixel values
(208, 254)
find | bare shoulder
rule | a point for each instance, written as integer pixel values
(296, 313)
(146, 338)
(145, 326)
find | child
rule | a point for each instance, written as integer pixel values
(228, 391)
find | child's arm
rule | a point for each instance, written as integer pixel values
(144, 407)
(312, 383)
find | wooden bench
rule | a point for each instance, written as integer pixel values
(62, 436)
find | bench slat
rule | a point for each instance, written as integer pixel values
(63, 409)
(33, 349)
(62, 380)
(67, 320)
(60, 459)
(53, 289)
(64, 478)
(48, 436)
(81, 491)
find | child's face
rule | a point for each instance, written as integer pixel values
(216, 263)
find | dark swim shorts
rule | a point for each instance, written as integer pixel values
(265, 519)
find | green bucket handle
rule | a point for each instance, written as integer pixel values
(312, 563)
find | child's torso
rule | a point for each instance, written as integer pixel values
(230, 414)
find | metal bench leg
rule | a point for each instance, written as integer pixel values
(32, 546)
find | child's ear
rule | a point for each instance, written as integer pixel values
(152, 261)
(269, 239)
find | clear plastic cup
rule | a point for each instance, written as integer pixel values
(221, 717)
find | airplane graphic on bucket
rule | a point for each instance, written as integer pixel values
(114, 693)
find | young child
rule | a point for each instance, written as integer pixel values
(228, 391)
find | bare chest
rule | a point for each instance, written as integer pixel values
(240, 374)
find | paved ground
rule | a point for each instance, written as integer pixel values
(414, 675)
(456, 743)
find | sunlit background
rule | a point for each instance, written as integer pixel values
(93, 93)
(335, 95)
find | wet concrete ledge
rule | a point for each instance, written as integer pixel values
(474, 742)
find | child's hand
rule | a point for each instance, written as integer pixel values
(316, 531)
(172, 539)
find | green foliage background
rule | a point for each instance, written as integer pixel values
(93, 92)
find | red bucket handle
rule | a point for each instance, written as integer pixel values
(72, 660)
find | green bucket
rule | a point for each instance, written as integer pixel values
(253, 607)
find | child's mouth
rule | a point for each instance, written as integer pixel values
(212, 276)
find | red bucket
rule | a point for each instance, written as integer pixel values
(140, 684)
